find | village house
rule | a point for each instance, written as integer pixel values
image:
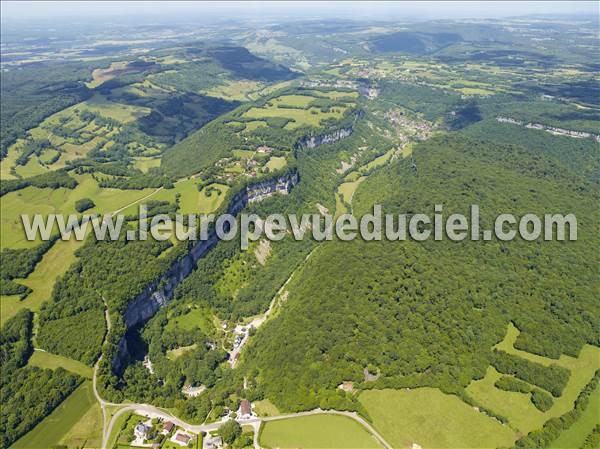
(245, 410)
(180, 438)
(168, 426)
(347, 386)
(212, 442)
(141, 430)
(264, 149)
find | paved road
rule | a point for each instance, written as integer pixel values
(101, 401)
(152, 411)
(155, 412)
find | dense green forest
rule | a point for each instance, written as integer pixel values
(405, 118)
(467, 291)
(27, 393)
(33, 93)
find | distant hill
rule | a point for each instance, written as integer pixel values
(414, 43)
(244, 64)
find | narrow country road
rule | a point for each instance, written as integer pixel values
(155, 412)
(101, 401)
(152, 411)
(136, 201)
(258, 321)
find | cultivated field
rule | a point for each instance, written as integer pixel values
(432, 419)
(316, 432)
(517, 407)
(297, 108)
(65, 420)
(45, 359)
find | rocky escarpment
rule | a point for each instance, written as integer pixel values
(156, 295)
(324, 139)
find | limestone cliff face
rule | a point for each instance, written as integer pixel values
(324, 139)
(157, 294)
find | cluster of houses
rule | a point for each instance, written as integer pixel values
(233, 168)
(421, 128)
(144, 431)
(337, 84)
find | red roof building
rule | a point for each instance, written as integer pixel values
(183, 437)
(168, 426)
(245, 407)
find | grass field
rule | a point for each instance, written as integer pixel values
(316, 432)
(173, 354)
(55, 427)
(255, 124)
(54, 263)
(32, 168)
(337, 94)
(300, 101)
(378, 161)
(243, 154)
(146, 163)
(10, 160)
(265, 408)
(116, 430)
(347, 189)
(307, 116)
(211, 203)
(9, 306)
(191, 201)
(521, 413)
(344, 195)
(87, 432)
(234, 90)
(44, 359)
(121, 112)
(276, 163)
(198, 317)
(33, 200)
(575, 435)
(432, 419)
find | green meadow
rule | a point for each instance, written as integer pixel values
(316, 432)
(575, 435)
(33, 200)
(43, 359)
(57, 425)
(276, 163)
(146, 163)
(517, 407)
(54, 263)
(296, 108)
(432, 419)
(197, 317)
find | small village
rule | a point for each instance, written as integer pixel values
(149, 429)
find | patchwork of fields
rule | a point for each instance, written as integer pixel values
(517, 407)
(182, 120)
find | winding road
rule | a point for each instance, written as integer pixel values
(152, 411)
(155, 412)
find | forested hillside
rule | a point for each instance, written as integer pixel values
(428, 313)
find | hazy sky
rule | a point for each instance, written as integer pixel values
(25, 10)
